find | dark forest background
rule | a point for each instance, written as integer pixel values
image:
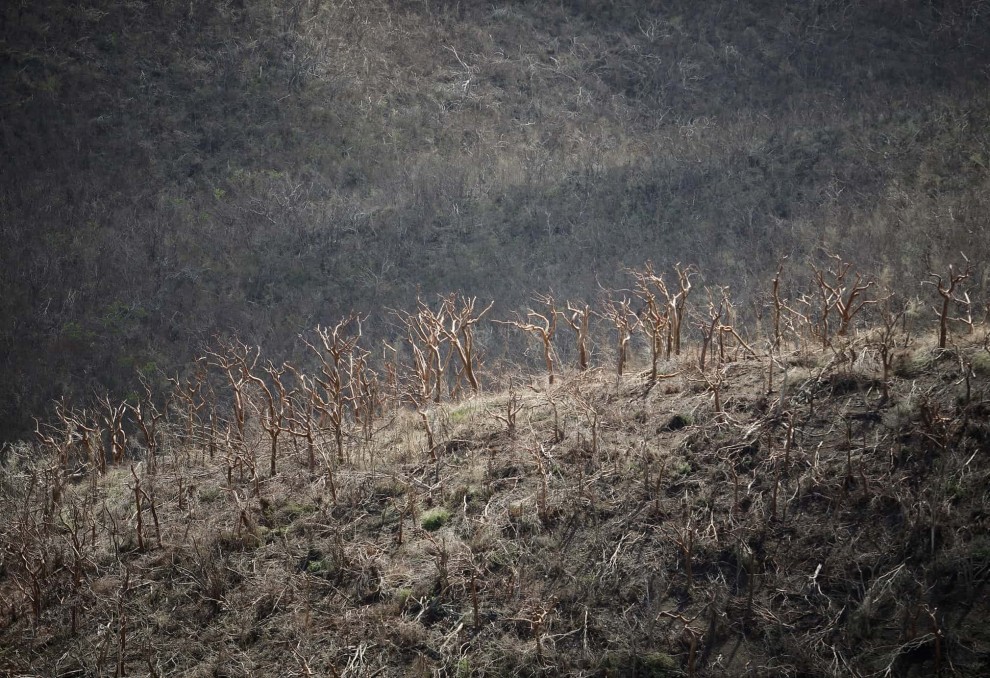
(171, 171)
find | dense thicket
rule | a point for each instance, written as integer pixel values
(174, 170)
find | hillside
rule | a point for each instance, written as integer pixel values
(816, 510)
(524, 450)
(173, 171)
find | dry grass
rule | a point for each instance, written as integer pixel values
(620, 528)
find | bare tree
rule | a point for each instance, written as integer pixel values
(147, 416)
(656, 313)
(625, 321)
(458, 321)
(237, 359)
(332, 399)
(188, 393)
(230, 361)
(677, 303)
(836, 292)
(711, 327)
(426, 338)
(947, 290)
(540, 326)
(778, 306)
(276, 398)
(578, 318)
(884, 337)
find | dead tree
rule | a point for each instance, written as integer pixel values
(188, 394)
(579, 320)
(418, 389)
(711, 327)
(393, 383)
(302, 420)
(275, 397)
(966, 313)
(727, 328)
(113, 420)
(778, 306)
(655, 316)
(947, 290)
(365, 393)
(715, 380)
(677, 303)
(235, 358)
(540, 326)
(625, 321)
(884, 339)
(301, 416)
(63, 439)
(424, 385)
(785, 316)
(459, 319)
(836, 293)
(147, 416)
(426, 338)
(338, 345)
(88, 432)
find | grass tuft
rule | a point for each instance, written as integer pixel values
(435, 518)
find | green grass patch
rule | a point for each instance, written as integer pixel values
(462, 413)
(648, 665)
(434, 519)
(980, 363)
(208, 495)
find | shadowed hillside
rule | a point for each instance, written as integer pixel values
(171, 171)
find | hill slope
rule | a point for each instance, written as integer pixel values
(171, 170)
(799, 523)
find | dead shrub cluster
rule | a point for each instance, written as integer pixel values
(747, 504)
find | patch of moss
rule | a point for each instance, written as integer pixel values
(899, 416)
(434, 519)
(322, 567)
(387, 488)
(913, 365)
(980, 363)
(402, 596)
(292, 510)
(471, 495)
(648, 665)
(244, 540)
(208, 495)
(462, 413)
